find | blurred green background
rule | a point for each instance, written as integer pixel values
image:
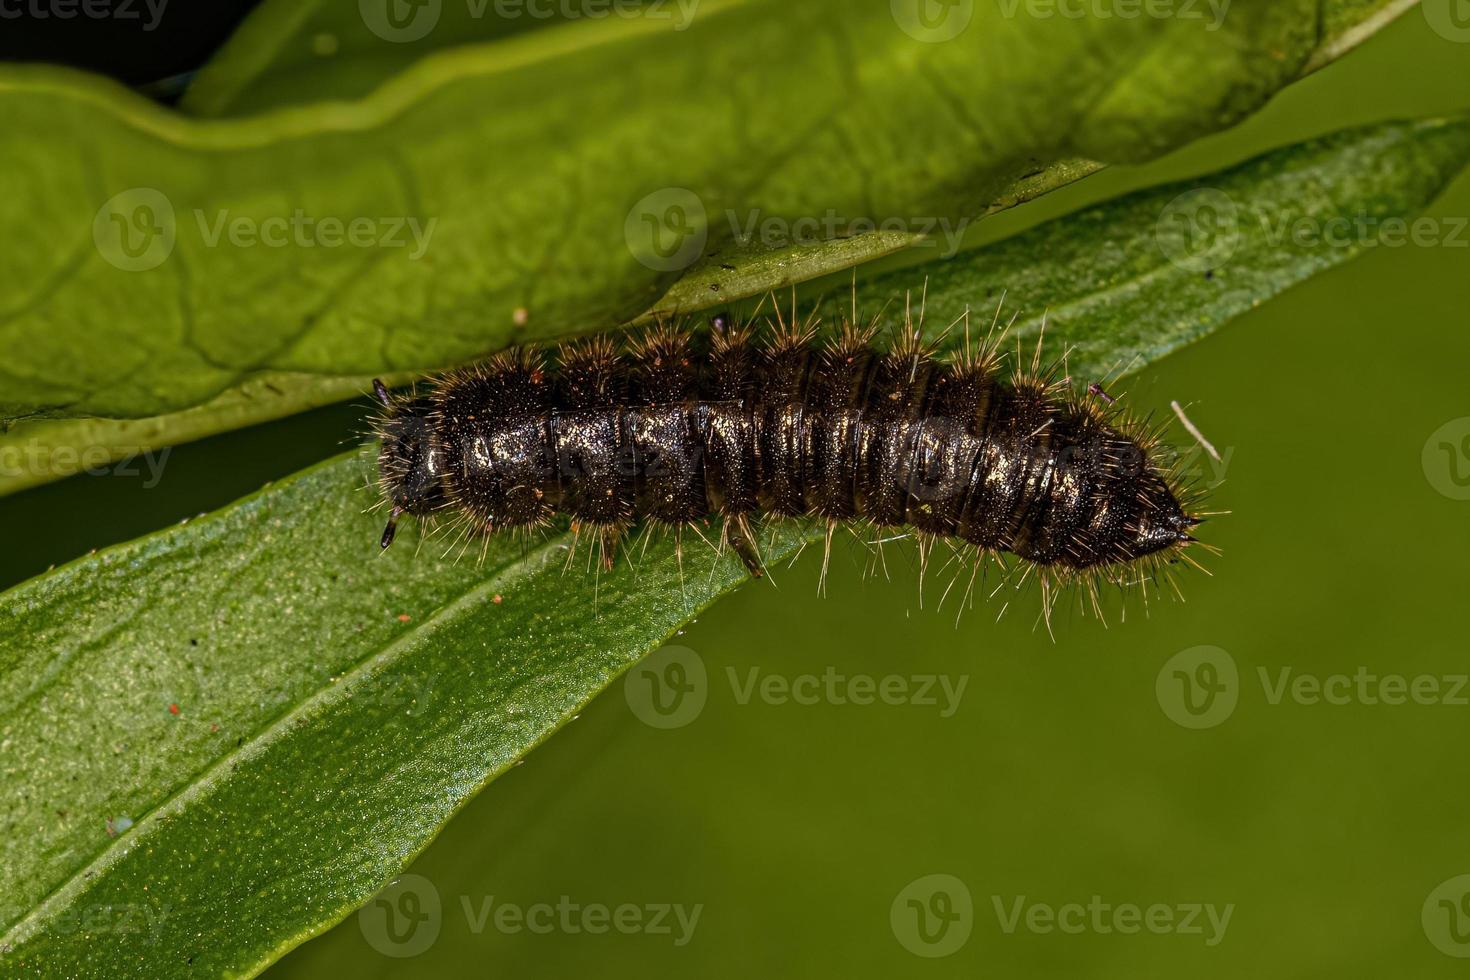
(801, 832)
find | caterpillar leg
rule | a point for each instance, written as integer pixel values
(737, 532)
(391, 531)
(606, 538)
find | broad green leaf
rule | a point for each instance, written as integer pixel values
(334, 707)
(276, 59)
(143, 282)
(293, 51)
(1140, 276)
(288, 53)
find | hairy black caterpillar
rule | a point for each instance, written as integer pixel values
(677, 430)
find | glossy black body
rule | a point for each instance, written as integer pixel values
(844, 432)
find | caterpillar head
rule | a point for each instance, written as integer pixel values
(409, 473)
(1160, 522)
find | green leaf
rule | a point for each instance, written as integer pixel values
(1348, 23)
(335, 707)
(1135, 278)
(135, 267)
(37, 451)
(288, 53)
(293, 51)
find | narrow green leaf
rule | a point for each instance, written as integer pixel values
(271, 718)
(1348, 23)
(1132, 279)
(37, 451)
(335, 707)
